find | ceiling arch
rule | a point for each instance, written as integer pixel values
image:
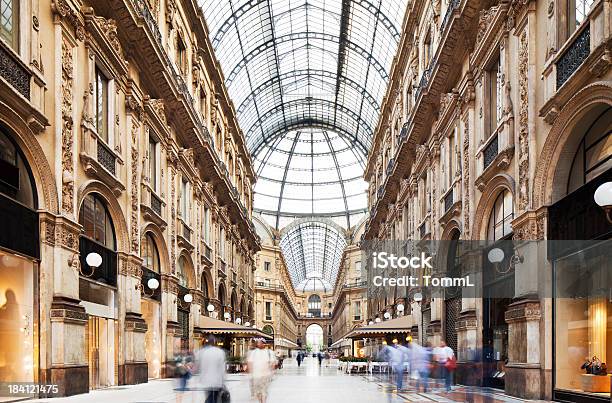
(299, 68)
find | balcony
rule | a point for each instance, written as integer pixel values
(99, 160)
(184, 235)
(151, 206)
(573, 56)
(222, 268)
(14, 71)
(390, 166)
(206, 254)
(584, 56)
(490, 152)
(448, 200)
(105, 273)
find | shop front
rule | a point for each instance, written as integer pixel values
(19, 265)
(580, 253)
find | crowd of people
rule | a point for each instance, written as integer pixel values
(421, 362)
(205, 371)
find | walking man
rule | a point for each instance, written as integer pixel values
(210, 362)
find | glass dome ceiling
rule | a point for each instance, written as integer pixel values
(307, 73)
(313, 253)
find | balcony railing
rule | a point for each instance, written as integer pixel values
(13, 71)
(573, 56)
(390, 165)
(448, 200)
(380, 192)
(452, 6)
(423, 229)
(105, 273)
(106, 158)
(491, 151)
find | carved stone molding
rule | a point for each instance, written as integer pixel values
(67, 128)
(523, 146)
(523, 311)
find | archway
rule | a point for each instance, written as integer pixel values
(314, 306)
(314, 338)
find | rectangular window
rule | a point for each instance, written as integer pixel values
(358, 270)
(101, 105)
(452, 158)
(222, 243)
(9, 23)
(266, 266)
(184, 200)
(206, 225)
(495, 93)
(268, 310)
(578, 10)
(153, 166)
(357, 310)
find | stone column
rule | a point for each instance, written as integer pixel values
(133, 366)
(69, 366)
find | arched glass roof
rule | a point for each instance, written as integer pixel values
(313, 253)
(293, 66)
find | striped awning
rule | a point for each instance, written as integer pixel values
(397, 325)
(216, 326)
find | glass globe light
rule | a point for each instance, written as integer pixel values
(153, 284)
(93, 259)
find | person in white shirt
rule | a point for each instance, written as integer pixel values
(210, 362)
(443, 354)
(260, 364)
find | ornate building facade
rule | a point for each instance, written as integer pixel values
(493, 124)
(126, 190)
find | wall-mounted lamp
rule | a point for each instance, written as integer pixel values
(400, 309)
(496, 256)
(152, 284)
(377, 320)
(93, 260)
(387, 315)
(210, 308)
(247, 324)
(227, 316)
(188, 298)
(603, 198)
(370, 323)
(238, 321)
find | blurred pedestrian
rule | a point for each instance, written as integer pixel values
(422, 363)
(300, 358)
(183, 370)
(320, 357)
(445, 358)
(260, 364)
(210, 362)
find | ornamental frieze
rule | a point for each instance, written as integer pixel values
(523, 149)
(67, 128)
(524, 312)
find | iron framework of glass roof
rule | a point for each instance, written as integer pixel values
(307, 73)
(313, 252)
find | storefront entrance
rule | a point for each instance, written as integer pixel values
(151, 315)
(102, 350)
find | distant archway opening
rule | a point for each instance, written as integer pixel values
(314, 338)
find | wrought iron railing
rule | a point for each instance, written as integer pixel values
(156, 204)
(423, 229)
(13, 71)
(390, 165)
(380, 191)
(452, 6)
(490, 151)
(448, 201)
(574, 56)
(106, 158)
(107, 271)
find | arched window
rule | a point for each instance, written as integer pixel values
(96, 221)
(314, 305)
(150, 255)
(500, 220)
(15, 178)
(182, 271)
(594, 154)
(204, 286)
(454, 254)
